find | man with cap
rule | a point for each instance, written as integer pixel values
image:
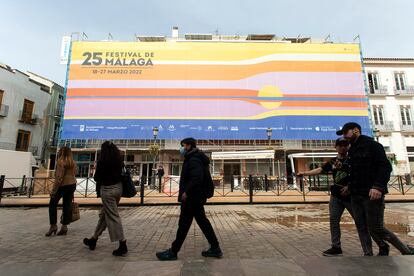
(192, 196)
(340, 198)
(369, 175)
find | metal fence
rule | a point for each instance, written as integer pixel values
(243, 187)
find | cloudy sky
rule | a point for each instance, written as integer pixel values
(31, 31)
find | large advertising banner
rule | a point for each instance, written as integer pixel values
(213, 90)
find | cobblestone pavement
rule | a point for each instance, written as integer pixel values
(265, 233)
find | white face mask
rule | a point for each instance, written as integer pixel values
(183, 151)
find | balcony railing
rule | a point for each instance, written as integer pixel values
(407, 91)
(407, 128)
(385, 126)
(381, 91)
(28, 118)
(4, 110)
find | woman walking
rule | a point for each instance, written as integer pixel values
(64, 187)
(109, 188)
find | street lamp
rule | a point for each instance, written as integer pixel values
(376, 134)
(269, 134)
(153, 178)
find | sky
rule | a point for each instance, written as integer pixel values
(31, 31)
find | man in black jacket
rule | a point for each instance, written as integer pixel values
(192, 196)
(370, 173)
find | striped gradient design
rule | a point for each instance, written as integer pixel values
(228, 82)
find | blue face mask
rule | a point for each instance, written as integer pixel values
(183, 151)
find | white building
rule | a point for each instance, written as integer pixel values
(24, 105)
(390, 85)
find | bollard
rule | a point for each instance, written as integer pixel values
(266, 183)
(31, 187)
(250, 189)
(159, 184)
(23, 184)
(232, 183)
(86, 187)
(1, 185)
(142, 193)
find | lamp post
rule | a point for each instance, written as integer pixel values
(376, 134)
(155, 134)
(269, 134)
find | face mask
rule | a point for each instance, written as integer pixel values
(183, 151)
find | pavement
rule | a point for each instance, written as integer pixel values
(269, 239)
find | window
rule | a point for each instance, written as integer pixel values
(27, 113)
(1, 97)
(373, 82)
(59, 110)
(378, 114)
(399, 81)
(405, 111)
(23, 140)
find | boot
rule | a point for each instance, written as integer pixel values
(91, 243)
(63, 230)
(52, 231)
(122, 249)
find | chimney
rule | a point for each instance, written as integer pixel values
(174, 32)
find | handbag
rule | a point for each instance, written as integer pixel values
(75, 211)
(128, 187)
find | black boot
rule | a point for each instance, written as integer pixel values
(122, 249)
(384, 250)
(90, 242)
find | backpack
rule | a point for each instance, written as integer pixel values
(208, 183)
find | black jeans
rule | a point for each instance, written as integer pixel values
(188, 212)
(65, 192)
(371, 213)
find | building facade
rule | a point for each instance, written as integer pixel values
(390, 89)
(28, 105)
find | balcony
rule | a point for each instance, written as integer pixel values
(408, 91)
(4, 110)
(381, 91)
(407, 128)
(28, 118)
(384, 127)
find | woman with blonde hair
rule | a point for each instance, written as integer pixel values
(64, 187)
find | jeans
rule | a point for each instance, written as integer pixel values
(337, 207)
(109, 216)
(66, 192)
(188, 212)
(371, 213)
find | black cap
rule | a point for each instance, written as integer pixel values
(347, 127)
(189, 141)
(341, 140)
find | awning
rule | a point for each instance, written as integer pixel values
(238, 155)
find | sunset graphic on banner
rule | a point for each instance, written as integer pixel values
(213, 90)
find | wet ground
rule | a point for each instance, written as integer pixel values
(291, 234)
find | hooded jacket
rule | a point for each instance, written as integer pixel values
(192, 176)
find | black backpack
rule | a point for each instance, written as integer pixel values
(208, 183)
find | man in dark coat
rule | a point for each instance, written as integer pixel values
(370, 172)
(192, 196)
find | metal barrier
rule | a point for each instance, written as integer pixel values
(246, 187)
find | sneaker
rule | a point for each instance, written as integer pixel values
(384, 250)
(411, 249)
(213, 252)
(166, 255)
(333, 251)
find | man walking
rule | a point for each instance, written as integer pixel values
(370, 173)
(340, 198)
(192, 195)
